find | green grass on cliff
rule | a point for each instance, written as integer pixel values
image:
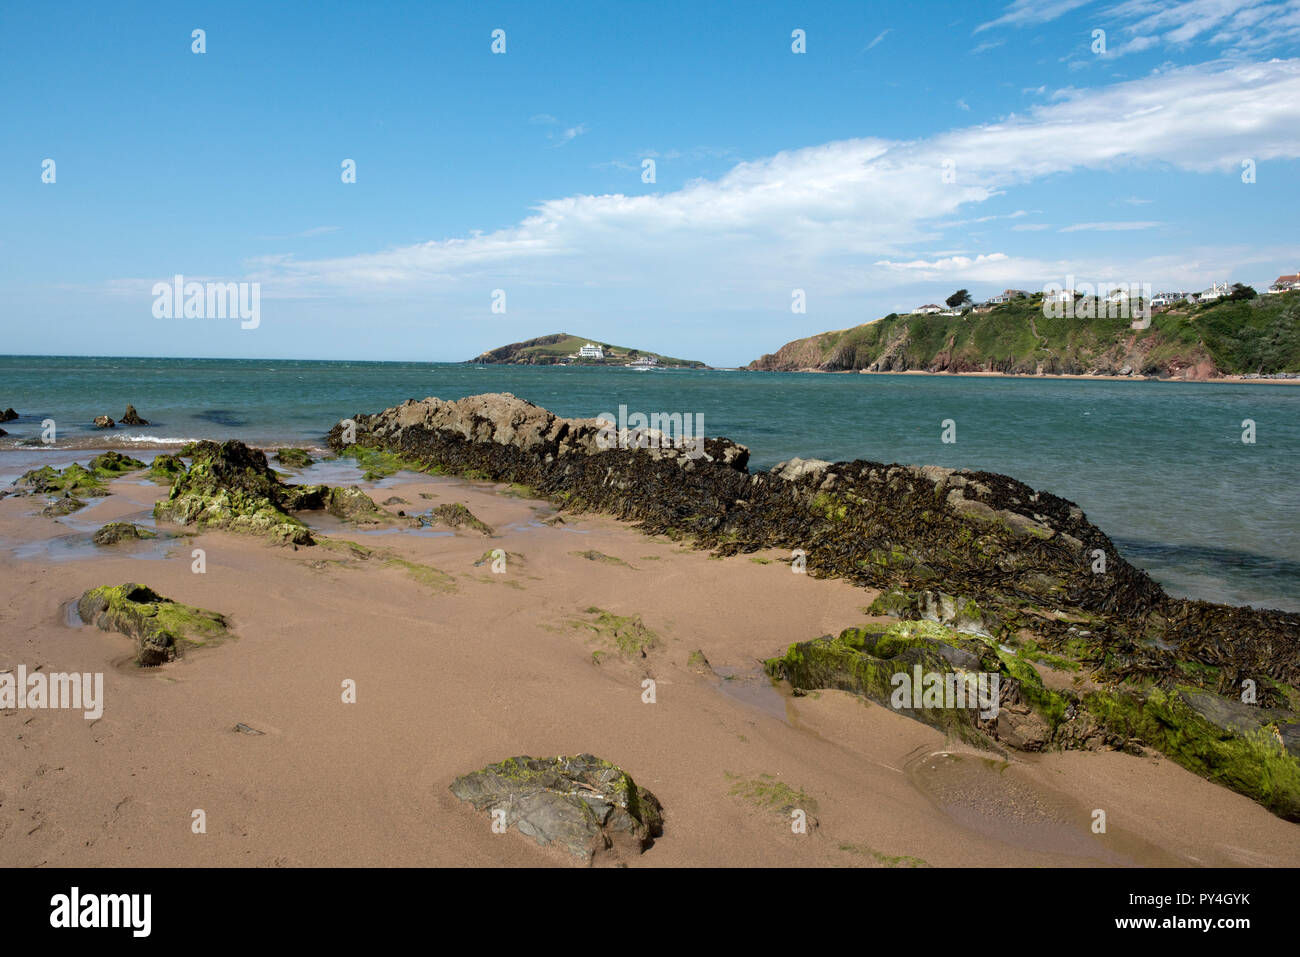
(1255, 336)
(559, 346)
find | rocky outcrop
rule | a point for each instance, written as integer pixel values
(231, 486)
(104, 422)
(76, 480)
(165, 469)
(456, 515)
(65, 505)
(162, 628)
(131, 417)
(115, 532)
(8, 415)
(1038, 573)
(294, 458)
(583, 804)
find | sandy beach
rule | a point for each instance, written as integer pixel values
(455, 671)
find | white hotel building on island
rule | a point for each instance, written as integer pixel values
(590, 351)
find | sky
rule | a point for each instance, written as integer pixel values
(909, 150)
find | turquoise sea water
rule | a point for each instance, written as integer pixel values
(1161, 467)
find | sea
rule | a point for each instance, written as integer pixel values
(1198, 483)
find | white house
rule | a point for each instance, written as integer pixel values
(927, 309)
(590, 351)
(1008, 295)
(1286, 284)
(1216, 291)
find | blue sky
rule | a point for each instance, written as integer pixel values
(775, 171)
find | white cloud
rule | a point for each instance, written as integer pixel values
(880, 36)
(843, 217)
(1024, 12)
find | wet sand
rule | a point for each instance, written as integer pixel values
(453, 675)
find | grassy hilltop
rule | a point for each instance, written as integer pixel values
(1260, 335)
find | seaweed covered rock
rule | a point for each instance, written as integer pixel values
(294, 458)
(115, 532)
(114, 464)
(584, 804)
(1240, 748)
(162, 628)
(959, 683)
(231, 486)
(131, 417)
(8, 415)
(104, 422)
(353, 505)
(77, 480)
(64, 505)
(456, 515)
(166, 468)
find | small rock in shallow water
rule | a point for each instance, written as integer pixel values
(114, 532)
(131, 417)
(104, 422)
(62, 506)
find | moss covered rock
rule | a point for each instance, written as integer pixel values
(162, 628)
(583, 804)
(165, 469)
(294, 458)
(115, 532)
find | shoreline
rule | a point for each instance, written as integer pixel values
(1215, 380)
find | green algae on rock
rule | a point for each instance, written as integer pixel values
(165, 468)
(77, 480)
(162, 628)
(583, 804)
(231, 486)
(294, 458)
(115, 532)
(64, 505)
(114, 463)
(457, 515)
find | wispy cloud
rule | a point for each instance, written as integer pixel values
(1025, 12)
(879, 36)
(1111, 227)
(566, 135)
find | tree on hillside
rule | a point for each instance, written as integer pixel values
(1240, 291)
(959, 298)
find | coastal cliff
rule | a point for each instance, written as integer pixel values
(1011, 580)
(1253, 337)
